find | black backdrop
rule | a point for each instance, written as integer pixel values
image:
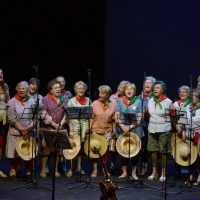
(161, 38)
(61, 37)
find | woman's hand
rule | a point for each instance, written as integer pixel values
(48, 119)
(71, 134)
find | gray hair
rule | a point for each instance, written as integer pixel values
(185, 87)
(151, 78)
(60, 77)
(163, 86)
(22, 83)
(79, 83)
(124, 83)
(105, 89)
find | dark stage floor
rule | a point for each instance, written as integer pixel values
(85, 192)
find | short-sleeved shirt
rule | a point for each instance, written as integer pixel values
(134, 108)
(102, 117)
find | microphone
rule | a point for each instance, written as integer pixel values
(35, 67)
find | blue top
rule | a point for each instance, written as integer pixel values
(134, 108)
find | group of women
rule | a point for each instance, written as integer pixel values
(107, 121)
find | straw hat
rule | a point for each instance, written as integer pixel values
(97, 141)
(25, 148)
(198, 147)
(71, 153)
(183, 153)
(173, 139)
(122, 145)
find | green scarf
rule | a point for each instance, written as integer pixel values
(187, 103)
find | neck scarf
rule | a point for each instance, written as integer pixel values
(194, 108)
(131, 102)
(184, 104)
(81, 100)
(158, 100)
(21, 100)
(105, 103)
(145, 94)
(63, 92)
(51, 96)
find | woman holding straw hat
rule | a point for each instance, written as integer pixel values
(54, 120)
(130, 104)
(4, 98)
(159, 129)
(192, 131)
(184, 101)
(18, 126)
(103, 121)
(76, 125)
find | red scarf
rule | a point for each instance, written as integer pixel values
(145, 94)
(22, 101)
(63, 92)
(81, 100)
(158, 100)
(51, 96)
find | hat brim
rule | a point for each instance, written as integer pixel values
(31, 152)
(71, 153)
(174, 138)
(102, 140)
(177, 157)
(134, 150)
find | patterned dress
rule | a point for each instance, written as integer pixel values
(15, 115)
(75, 122)
(56, 112)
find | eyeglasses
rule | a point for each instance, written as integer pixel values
(56, 88)
(81, 89)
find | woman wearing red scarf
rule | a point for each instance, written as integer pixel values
(129, 104)
(184, 101)
(194, 110)
(158, 128)
(55, 119)
(18, 127)
(144, 97)
(76, 125)
(4, 97)
(103, 121)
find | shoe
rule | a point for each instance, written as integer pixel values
(189, 181)
(94, 174)
(162, 178)
(82, 171)
(69, 174)
(3, 175)
(104, 173)
(28, 177)
(57, 174)
(112, 170)
(152, 177)
(43, 174)
(13, 178)
(135, 178)
(177, 175)
(197, 183)
(144, 171)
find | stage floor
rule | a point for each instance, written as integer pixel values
(144, 189)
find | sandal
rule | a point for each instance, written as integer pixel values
(152, 177)
(197, 183)
(123, 176)
(2, 175)
(162, 178)
(94, 174)
(190, 181)
(69, 174)
(112, 170)
(82, 171)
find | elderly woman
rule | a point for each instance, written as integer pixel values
(103, 121)
(18, 126)
(4, 97)
(184, 101)
(144, 97)
(129, 104)
(55, 119)
(67, 94)
(78, 125)
(115, 98)
(192, 130)
(198, 82)
(159, 128)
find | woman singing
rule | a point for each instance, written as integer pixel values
(158, 128)
(129, 104)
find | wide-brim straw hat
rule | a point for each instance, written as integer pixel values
(174, 138)
(97, 141)
(71, 153)
(184, 156)
(26, 148)
(122, 145)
